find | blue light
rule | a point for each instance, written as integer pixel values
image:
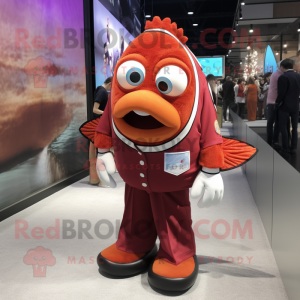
(213, 65)
(270, 60)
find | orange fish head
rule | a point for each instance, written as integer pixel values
(153, 89)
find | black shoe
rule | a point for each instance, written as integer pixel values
(276, 146)
(293, 152)
(126, 269)
(285, 153)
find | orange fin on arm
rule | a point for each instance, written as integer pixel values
(100, 140)
(236, 153)
(229, 155)
(88, 129)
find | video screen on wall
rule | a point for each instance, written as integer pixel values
(270, 64)
(127, 12)
(115, 26)
(213, 65)
(43, 96)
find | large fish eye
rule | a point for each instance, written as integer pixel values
(130, 74)
(171, 80)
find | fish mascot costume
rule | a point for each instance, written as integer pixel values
(162, 122)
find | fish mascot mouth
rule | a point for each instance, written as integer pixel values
(143, 114)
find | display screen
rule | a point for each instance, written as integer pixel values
(127, 12)
(43, 96)
(111, 37)
(270, 60)
(213, 65)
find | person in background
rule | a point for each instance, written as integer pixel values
(228, 96)
(122, 46)
(100, 101)
(251, 98)
(297, 62)
(101, 97)
(261, 82)
(288, 104)
(235, 81)
(256, 81)
(212, 81)
(107, 56)
(261, 97)
(219, 90)
(234, 106)
(263, 94)
(240, 96)
(115, 58)
(298, 56)
(265, 90)
(273, 130)
(107, 61)
(297, 66)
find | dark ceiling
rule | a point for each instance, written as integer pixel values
(217, 14)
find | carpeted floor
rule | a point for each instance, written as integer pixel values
(233, 265)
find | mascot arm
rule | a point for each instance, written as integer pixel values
(208, 186)
(106, 167)
(229, 155)
(102, 141)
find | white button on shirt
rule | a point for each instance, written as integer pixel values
(142, 175)
(142, 162)
(144, 184)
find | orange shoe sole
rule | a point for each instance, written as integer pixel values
(126, 269)
(173, 284)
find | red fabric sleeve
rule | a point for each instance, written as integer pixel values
(212, 157)
(102, 141)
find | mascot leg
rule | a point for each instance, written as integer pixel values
(176, 266)
(135, 248)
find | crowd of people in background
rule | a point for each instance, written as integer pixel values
(272, 96)
(237, 93)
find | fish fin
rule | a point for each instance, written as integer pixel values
(236, 153)
(88, 129)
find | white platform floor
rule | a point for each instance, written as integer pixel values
(252, 275)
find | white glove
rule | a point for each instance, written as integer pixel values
(106, 167)
(208, 187)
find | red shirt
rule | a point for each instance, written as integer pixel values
(241, 91)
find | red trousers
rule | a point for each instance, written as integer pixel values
(167, 215)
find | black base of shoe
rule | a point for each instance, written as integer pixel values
(285, 153)
(173, 284)
(129, 269)
(276, 146)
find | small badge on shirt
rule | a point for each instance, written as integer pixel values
(177, 163)
(217, 127)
